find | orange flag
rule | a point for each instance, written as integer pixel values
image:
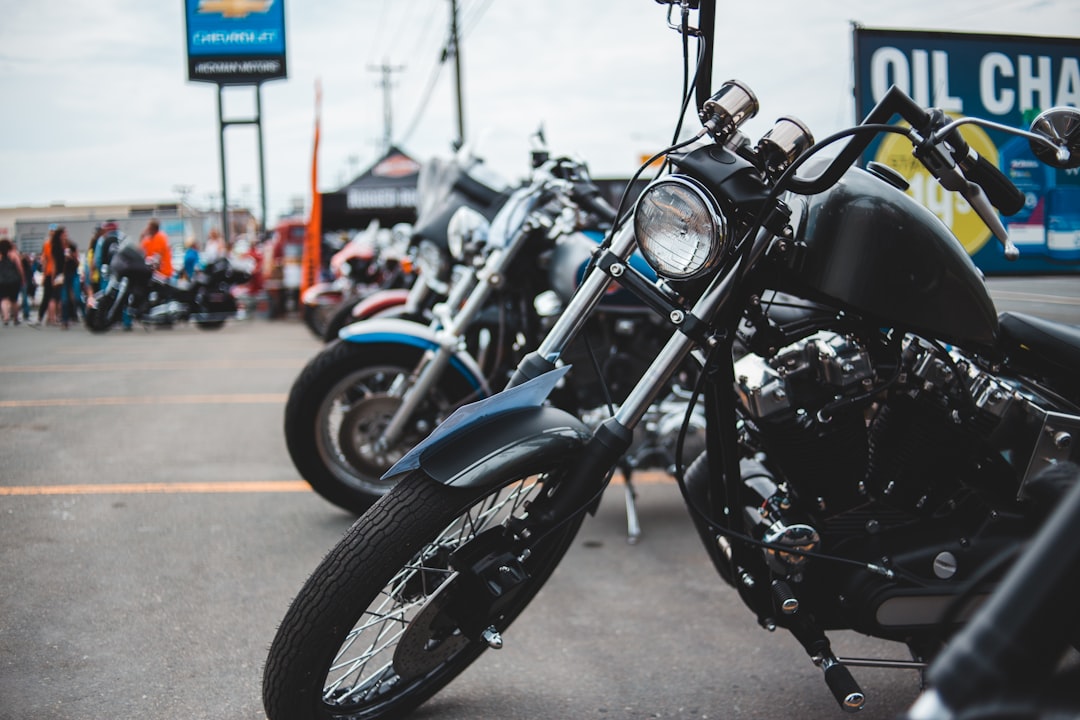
(312, 257)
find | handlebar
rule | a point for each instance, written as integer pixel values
(946, 156)
(999, 189)
(590, 199)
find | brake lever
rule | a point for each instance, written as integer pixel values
(941, 165)
(978, 201)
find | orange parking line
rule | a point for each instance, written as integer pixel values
(239, 399)
(257, 486)
(169, 365)
(160, 488)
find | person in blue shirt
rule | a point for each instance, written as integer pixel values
(191, 259)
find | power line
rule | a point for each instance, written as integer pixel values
(422, 105)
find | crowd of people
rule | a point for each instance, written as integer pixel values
(50, 288)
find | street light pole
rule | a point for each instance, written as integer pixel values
(455, 45)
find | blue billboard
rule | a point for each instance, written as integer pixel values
(235, 42)
(1007, 79)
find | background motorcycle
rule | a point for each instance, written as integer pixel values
(865, 464)
(151, 299)
(363, 402)
(368, 262)
(444, 185)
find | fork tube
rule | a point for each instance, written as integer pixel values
(434, 362)
(673, 353)
(579, 308)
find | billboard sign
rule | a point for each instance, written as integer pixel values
(1006, 79)
(235, 42)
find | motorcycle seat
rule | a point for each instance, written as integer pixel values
(1037, 342)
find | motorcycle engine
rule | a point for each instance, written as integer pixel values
(842, 435)
(917, 457)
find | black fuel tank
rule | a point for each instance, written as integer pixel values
(878, 252)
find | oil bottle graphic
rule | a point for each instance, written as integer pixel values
(1063, 217)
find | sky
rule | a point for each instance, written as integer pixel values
(95, 105)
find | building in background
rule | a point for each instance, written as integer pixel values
(27, 226)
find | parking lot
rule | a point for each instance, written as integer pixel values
(153, 531)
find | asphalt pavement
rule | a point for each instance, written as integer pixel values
(153, 532)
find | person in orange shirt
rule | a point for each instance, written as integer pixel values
(156, 243)
(52, 267)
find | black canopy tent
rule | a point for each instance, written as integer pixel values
(385, 192)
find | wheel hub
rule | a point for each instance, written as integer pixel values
(432, 637)
(361, 428)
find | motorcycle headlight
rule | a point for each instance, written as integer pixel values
(431, 260)
(467, 227)
(679, 228)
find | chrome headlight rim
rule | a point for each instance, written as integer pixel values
(706, 205)
(467, 229)
(431, 260)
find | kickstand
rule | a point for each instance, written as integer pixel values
(633, 527)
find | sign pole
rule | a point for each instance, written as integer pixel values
(225, 231)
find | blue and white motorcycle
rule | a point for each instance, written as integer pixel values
(374, 393)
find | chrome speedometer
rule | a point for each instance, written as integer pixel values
(679, 228)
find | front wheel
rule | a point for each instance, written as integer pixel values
(339, 406)
(317, 316)
(340, 316)
(99, 316)
(388, 619)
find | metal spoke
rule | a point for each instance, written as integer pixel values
(365, 658)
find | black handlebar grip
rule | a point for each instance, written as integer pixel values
(999, 189)
(844, 688)
(590, 199)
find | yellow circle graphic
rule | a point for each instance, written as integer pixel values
(895, 151)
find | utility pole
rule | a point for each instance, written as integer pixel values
(454, 46)
(388, 113)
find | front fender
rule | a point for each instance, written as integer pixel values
(512, 443)
(406, 332)
(323, 293)
(376, 302)
(510, 432)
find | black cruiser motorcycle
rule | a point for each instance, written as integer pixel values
(151, 299)
(866, 464)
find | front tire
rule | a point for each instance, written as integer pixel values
(370, 634)
(316, 317)
(96, 318)
(340, 317)
(340, 404)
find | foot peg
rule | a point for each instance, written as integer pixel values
(840, 681)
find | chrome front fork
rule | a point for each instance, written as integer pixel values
(667, 361)
(434, 361)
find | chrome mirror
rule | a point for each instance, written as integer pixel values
(1061, 126)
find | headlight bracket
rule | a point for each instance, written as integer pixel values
(661, 302)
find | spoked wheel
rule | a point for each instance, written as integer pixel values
(339, 407)
(388, 618)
